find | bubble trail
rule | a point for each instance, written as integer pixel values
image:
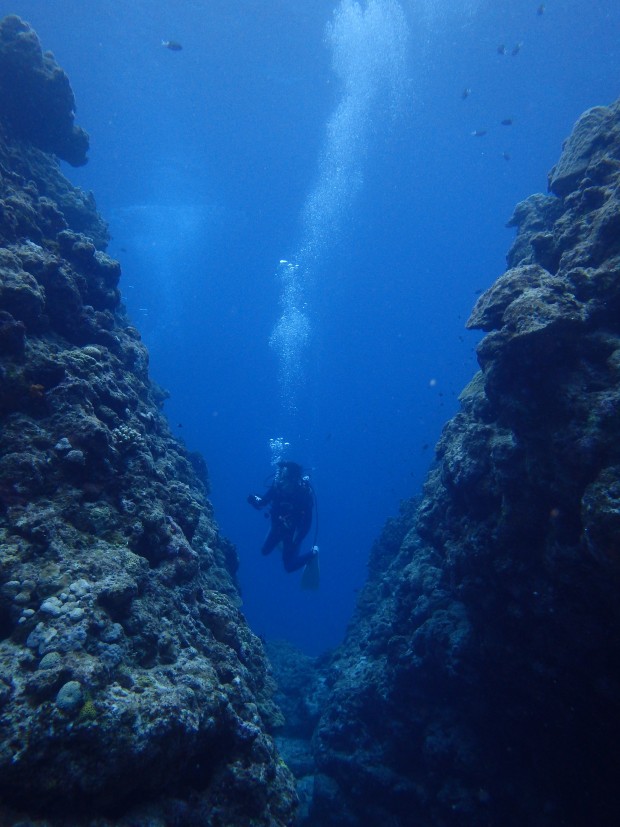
(369, 57)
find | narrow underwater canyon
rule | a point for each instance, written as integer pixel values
(478, 682)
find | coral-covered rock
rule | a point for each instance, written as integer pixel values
(35, 95)
(21, 294)
(595, 135)
(131, 688)
(301, 696)
(478, 683)
(12, 335)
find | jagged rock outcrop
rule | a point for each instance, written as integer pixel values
(36, 99)
(131, 689)
(479, 682)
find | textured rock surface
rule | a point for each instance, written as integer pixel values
(301, 696)
(479, 682)
(36, 100)
(131, 689)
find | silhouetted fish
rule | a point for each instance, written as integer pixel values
(516, 49)
(466, 93)
(506, 122)
(541, 9)
(501, 50)
(478, 133)
(506, 156)
(173, 45)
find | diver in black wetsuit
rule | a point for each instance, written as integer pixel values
(291, 500)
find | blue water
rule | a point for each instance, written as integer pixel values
(333, 136)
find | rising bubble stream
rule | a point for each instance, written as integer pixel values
(368, 42)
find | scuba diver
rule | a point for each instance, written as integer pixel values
(291, 498)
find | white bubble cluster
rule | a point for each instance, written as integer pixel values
(278, 447)
(369, 56)
(291, 334)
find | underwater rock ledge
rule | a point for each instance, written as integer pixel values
(131, 689)
(479, 680)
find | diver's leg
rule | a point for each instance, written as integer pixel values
(292, 559)
(271, 541)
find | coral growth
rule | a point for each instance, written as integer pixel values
(131, 688)
(35, 95)
(478, 683)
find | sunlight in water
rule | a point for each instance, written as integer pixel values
(369, 57)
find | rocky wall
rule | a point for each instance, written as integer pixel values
(131, 689)
(479, 683)
(36, 98)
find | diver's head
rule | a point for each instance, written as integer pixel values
(288, 470)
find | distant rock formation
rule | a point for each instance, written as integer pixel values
(302, 695)
(479, 683)
(131, 689)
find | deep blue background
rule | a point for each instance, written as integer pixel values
(202, 161)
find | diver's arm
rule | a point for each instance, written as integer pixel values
(260, 502)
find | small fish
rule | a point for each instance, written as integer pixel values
(466, 93)
(173, 45)
(501, 49)
(516, 49)
(506, 122)
(540, 10)
(478, 133)
(506, 156)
